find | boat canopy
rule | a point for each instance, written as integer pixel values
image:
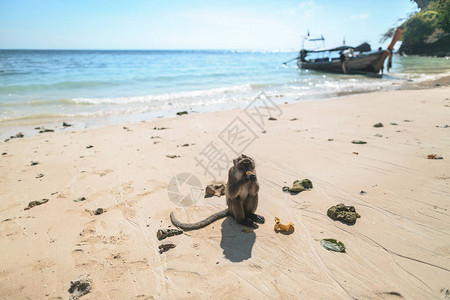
(365, 47)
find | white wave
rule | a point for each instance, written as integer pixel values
(421, 77)
(172, 97)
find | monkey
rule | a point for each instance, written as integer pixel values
(242, 192)
(241, 197)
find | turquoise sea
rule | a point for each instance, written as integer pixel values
(107, 87)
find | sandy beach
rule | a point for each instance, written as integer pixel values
(398, 249)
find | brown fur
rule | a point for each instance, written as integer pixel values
(241, 194)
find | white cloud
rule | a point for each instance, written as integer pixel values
(307, 4)
(308, 9)
(230, 28)
(360, 17)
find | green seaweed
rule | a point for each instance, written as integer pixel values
(299, 186)
(35, 203)
(343, 213)
(163, 233)
(333, 245)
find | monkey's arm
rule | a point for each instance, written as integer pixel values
(234, 185)
(233, 189)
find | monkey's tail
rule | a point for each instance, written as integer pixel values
(201, 224)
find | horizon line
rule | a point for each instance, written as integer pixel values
(148, 49)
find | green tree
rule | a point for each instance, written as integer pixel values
(426, 31)
(443, 11)
(420, 26)
(421, 4)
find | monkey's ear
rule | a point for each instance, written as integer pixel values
(244, 156)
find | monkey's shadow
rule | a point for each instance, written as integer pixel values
(237, 245)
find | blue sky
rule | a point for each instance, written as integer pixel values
(176, 24)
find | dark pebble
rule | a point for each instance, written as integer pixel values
(80, 199)
(46, 130)
(358, 142)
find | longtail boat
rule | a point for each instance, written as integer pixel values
(347, 59)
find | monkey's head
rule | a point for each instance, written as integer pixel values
(244, 163)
